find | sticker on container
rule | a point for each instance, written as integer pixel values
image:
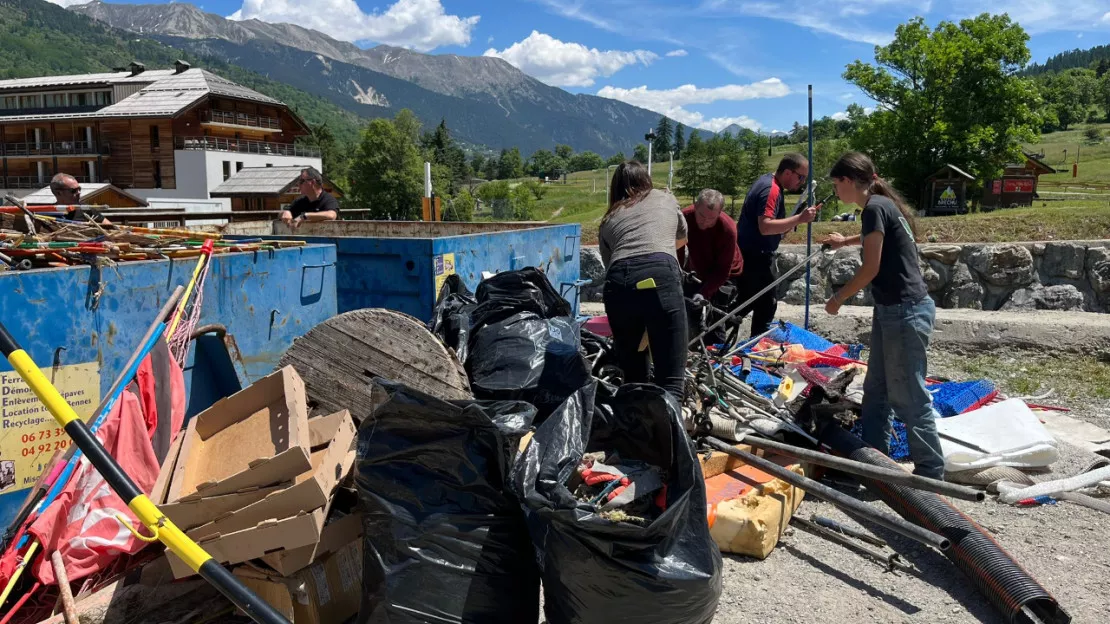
(320, 578)
(349, 562)
(443, 265)
(29, 435)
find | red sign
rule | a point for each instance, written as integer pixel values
(1017, 185)
(997, 187)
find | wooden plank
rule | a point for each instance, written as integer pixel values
(338, 358)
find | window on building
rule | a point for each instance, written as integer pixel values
(79, 99)
(28, 101)
(238, 167)
(154, 139)
(54, 100)
(157, 174)
(103, 98)
(227, 169)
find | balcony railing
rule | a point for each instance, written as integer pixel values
(33, 182)
(241, 119)
(216, 144)
(56, 148)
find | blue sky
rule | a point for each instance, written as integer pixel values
(707, 63)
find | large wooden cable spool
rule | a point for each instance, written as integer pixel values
(338, 358)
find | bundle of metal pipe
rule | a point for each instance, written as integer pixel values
(998, 577)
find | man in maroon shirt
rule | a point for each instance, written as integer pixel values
(711, 252)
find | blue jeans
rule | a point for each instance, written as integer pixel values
(895, 383)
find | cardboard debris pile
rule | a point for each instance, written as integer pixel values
(266, 490)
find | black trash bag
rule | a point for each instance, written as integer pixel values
(444, 539)
(512, 292)
(597, 571)
(451, 316)
(528, 358)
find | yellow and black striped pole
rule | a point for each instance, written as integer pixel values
(163, 529)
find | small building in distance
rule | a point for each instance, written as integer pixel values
(1018, 184)
(946, 191)
(257, 189)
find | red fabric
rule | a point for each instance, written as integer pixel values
(714, 256)
(81, 523)
(771, 210)
(147, 383)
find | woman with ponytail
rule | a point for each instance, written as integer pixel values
(643, 283)
(904, 314)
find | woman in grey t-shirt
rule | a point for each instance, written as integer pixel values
(643, 282)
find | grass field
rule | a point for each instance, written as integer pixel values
(1070, 209)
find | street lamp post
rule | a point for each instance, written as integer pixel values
(650, 138)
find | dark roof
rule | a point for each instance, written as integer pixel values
(1039, 163)
(165, 94)
(264, 181)
(949, 168)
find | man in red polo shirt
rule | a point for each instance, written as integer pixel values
(711, 252)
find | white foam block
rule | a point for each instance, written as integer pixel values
(1009, 431)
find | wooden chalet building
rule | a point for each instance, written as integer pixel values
(160, 134)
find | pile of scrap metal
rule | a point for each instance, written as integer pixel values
(792, 393)
(31, 240)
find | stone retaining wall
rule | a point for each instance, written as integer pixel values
(1072, 275)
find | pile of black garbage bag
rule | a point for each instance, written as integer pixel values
(464, 516)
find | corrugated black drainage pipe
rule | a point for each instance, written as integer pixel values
(995, 573)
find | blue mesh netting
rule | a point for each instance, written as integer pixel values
(796, 335)
(956, 397)
(899, 445)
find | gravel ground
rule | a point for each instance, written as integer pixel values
(1064, 547)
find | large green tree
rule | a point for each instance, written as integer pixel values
(664, 135)
(1068, 97)
(510, 165)
(679, 140)
(949, 95)
(640, 153)
(387, 171)
(693, 173)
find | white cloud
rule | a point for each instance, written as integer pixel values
(422, 25)
(1042, 17)
(568, 64)
(841, 116)
(679, 52)
(814, 16)
(673, 102)
(69, 3)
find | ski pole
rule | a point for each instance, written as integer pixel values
(162, 528)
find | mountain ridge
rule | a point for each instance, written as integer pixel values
(543, 115)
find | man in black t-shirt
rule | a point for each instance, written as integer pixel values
(315, 204)
(67, 192)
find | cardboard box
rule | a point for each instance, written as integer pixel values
(270, 535)
(329, 592)
(334, 536)
(191, 514)
(255, 438)
(331, 461)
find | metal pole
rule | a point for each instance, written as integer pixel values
(747, 303)
(649, 158)
(895, 476)
(809, 202)
(161, 527)
(823, 492)
(892, 561)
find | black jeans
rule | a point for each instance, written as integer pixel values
(756, 276)
(660, 310)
